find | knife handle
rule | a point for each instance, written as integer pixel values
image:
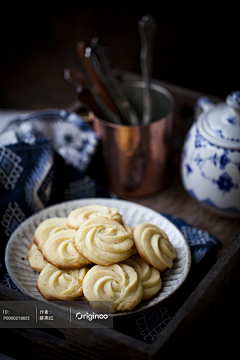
(101, 89)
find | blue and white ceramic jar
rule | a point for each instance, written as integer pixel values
(210, 166)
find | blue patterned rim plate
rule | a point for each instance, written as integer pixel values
(25, 277)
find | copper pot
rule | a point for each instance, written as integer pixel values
(136, 157)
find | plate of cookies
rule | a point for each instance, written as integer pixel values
(99, 250)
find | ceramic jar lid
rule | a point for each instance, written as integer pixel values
(220, 123)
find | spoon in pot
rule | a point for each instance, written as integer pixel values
(147, 27)
(98, 90)
(100, 58)
(76, 78)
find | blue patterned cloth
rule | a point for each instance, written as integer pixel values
(43, 159)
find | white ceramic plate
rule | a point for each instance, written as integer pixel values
(25, 277)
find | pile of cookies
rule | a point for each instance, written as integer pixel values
(92, 254)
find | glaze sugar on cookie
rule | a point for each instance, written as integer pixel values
(153, 246)
(78, 216)
(103, 241)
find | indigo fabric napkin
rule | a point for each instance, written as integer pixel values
(43, 160)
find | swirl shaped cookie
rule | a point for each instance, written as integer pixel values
(148, 275)
(129, 230)
(55, 284)
(153, 245)
(47, 228)
(118, 283)
(59, 250)
(35, 258)
(103, 241)
(78, 216)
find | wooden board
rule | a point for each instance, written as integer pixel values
(210, 312)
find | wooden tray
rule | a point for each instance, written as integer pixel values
(207, 317)
(201, 323)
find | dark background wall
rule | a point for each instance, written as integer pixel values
(196, 46)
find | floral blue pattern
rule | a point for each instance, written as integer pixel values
(224, 181)
(210, 173)
(224, 159)
(220, 132)
(210, 166)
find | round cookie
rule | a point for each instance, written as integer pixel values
(118, 283)
(35, 258)
(103, 241)
(148, 275)
(78, 216)
(59, 250)
(153, 245)
(55, 284)
(48, 227)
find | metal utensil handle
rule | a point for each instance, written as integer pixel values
(100, 58)
(76, 78)
(147, 27)
(97, 89)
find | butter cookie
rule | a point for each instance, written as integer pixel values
(118, 283)
(35, 258)
(48, 227)
(59, 250)
(148, 275)
(78, 216)
(153, 245)
(103, 241)
(55, 284)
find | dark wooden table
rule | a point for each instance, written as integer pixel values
(216, 290)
